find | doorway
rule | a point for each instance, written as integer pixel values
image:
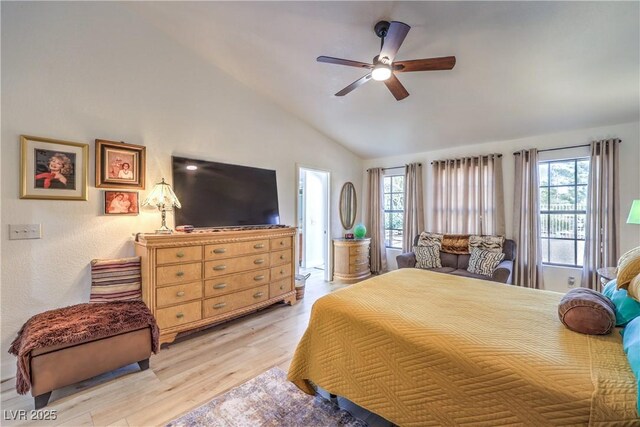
(313, 222)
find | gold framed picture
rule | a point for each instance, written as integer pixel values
(119, 165)
(53, 169)
(121, 203)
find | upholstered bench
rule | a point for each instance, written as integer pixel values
(61, 347)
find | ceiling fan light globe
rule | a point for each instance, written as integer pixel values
(381, 73)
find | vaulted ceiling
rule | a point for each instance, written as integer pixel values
(523, 68)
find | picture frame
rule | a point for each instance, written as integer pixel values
(121, 202)
(52, 169)
(120, 165)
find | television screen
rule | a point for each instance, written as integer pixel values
(219, 194)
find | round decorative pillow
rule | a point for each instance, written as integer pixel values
(628, 267)
(634, 288)
(587, 311)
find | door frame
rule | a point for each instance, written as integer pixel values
(327, 252)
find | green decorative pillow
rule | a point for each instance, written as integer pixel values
(627, 308)
(427, 256)
(484, 262)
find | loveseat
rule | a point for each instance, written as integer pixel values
(457, 264)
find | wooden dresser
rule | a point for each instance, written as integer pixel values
(351, 259)
(192, 280)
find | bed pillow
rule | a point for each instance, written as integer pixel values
(115, 280)
(634, 288)
(628, 267)
(631, 345)
(428, 239)
(427, 256)
(484, 262)
(627, 308)
(587, 311)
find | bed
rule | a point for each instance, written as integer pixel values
(429, 349)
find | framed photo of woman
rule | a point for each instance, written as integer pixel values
(121, 203)
(119, 165)
(53, 169)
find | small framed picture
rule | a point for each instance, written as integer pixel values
(53, 169)
(121, 203)
(119, 165)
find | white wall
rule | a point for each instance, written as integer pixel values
(81, 71)
(555, 277)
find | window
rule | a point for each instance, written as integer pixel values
(393, 210)
(563, 210)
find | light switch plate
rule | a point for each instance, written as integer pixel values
(25, 231)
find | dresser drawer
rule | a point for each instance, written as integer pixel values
(235, 265)
(228, 284)
(358, 268)
(282, 243)
(280, 257)
(280, 287)
(179, 273)
(169, 295)
(225, 303)
(280, 272)
(179, 314)
(228, 250)
(359, 259)
(183, 254)
(359, 250)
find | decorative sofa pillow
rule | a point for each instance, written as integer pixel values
(634, 288)
(457, 244)
(427, 256)
(427, 239)
(626, 307)
(115, 280)
(631, 346)
(628, 267)
(484, 262)
(488, 243)
(587, 311)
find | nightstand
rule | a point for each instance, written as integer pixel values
(606, 274)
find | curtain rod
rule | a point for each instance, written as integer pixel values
(455, 160)
(517, 153)
(395, 167)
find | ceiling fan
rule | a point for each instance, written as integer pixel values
(384, 67)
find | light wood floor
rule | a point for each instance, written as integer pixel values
(189, 373)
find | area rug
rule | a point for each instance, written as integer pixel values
(268, 400)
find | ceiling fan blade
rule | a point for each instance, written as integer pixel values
(362, 80)
(392, 41)
(429, 64)
(396, 88)
(347, 62)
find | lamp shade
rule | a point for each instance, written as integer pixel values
(162, 196)
(634, 213)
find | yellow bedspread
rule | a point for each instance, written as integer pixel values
(429, 349)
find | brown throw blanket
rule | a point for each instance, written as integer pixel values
(76, 324)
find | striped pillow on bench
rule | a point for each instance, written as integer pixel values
(115, 280)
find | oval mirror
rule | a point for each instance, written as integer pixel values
(348, 205)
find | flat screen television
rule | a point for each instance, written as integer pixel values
(221, 195)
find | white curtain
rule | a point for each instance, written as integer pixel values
(375, 220)
(526, 221)
(603, 209)
(469, 195)
(413, 223)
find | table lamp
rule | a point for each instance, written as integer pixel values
(634, 213)
(163, 197)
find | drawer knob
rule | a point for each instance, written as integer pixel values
(220, 267)
(259, 277)
(219, 305)
(281, 271)
(180, 254)
(281, 256)
(258, 261)
(220, 286)
(180, 294)
(281, 287)
(180, 273)
(219, 251)
(281, 242)
(180, 315)
(258, 245)
(258, 294)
